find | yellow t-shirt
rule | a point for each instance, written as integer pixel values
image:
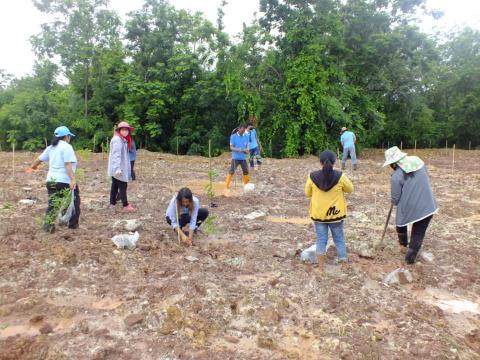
(328, 206)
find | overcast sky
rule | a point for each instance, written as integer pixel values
(19, 19)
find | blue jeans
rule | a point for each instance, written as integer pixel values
(338, 238)
(255, 153)
(353, 155)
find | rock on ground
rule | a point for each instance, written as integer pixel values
(399, 276)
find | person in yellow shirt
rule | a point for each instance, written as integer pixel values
(326, 189)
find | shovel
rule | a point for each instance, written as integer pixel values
(385, 228)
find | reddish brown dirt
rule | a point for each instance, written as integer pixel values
(73, 295)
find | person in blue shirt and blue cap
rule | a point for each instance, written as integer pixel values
(62, 166)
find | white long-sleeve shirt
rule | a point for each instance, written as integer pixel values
(172, 213)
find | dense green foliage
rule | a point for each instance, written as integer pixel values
(304, 69)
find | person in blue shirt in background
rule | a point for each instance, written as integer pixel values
(348, 140)
(133, 156)
(62, 166)
(254, 145)
(239, 147)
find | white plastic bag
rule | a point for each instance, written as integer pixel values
(64, 216)
(248, 188)
(126, 241)
(309, 254)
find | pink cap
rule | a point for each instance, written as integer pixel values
(124, 124)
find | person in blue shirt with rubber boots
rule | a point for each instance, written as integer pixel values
(239, 147)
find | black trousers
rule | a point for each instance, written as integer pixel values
(419, 229)
(55, 190)
(185, 218)
(132, 164)
(118, 187)
(242, 163)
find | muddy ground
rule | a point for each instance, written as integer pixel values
(240, 292)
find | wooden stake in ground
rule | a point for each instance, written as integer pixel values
(401, 145)
(210, 154)
(210, 177)
(386, 225)
(13, 160)
(93, 148)
(446, 147)
(469, 145)
(415, 146)
(178, 221)
(453, 157)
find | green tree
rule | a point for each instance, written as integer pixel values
(28, 116)
(82, 29)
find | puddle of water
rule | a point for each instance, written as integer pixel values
(87, 301)
(256, 279)
(459, 306)
(67, 324)
(290, 220)
(18, 330)
(244, 345)
(461, 314)
(449, 302)
(218, 187)
(107, 304)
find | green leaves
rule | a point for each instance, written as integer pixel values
(305, 69)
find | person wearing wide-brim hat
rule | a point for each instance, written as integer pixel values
(119, 166)
(62, 166)
(348, 140)
(412, 194)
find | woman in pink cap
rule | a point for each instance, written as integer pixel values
(119, 164)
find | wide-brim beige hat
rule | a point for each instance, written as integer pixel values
(393, 155)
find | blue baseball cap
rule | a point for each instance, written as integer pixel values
(62, 131)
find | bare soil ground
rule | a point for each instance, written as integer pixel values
(240, 293)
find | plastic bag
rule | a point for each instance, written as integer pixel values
(65, 215)
(126, 241)
(309, 254)
(249, 188)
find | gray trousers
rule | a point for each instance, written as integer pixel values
(234, 165)
(349, 151)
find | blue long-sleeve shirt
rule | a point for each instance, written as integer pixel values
(172, 213)
(133, 152)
